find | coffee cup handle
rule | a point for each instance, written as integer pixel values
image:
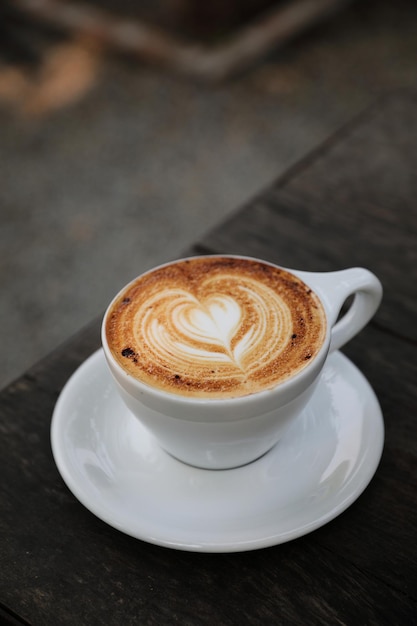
(334, 288)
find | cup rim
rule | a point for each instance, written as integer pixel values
(286, 387)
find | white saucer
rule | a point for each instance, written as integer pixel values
(117, 470)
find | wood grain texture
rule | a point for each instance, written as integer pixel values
(60, 565)
(73, 565)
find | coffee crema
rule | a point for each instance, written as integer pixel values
(215, 327)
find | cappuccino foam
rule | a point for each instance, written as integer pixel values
(215, 327)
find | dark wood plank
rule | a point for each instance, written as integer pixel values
(380, 527)
(353, 202)
(9, 618)
(73, 565)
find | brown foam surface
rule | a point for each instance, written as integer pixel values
(215, 327)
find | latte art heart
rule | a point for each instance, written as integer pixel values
(213, 322)
(211, 328)
(228, 333)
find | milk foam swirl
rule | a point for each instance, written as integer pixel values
(224, 331)
(212, 328)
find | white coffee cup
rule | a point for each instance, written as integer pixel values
(230, 432)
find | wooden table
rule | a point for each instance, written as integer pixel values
(352, 202)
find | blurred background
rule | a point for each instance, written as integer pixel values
(129, 128)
